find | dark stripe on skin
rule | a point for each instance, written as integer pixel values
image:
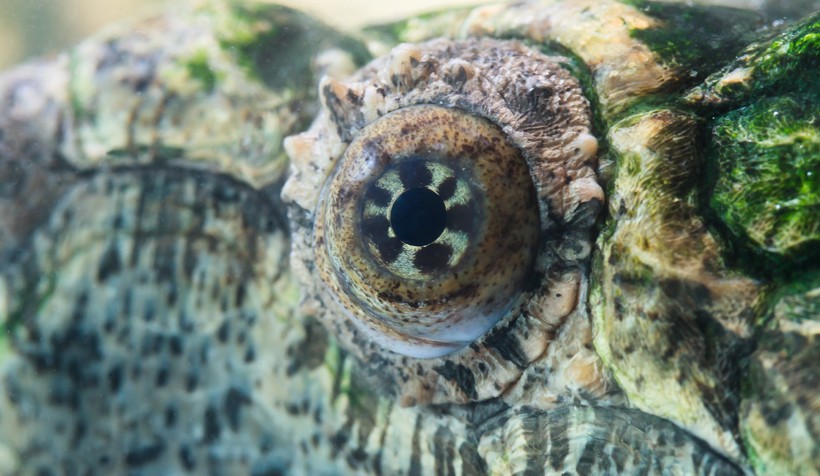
(507, 346)
(309, 352)
(190, 260)
(110, 263)
(338, 374)
(361, 412)
(619, 455)
(471, 461)
(414, 173)
(558, 442)
(339, 440)
(415, 457)
(460, 375)
(433, 258)
(586, 462)
(698, 461)
(444, 452)
(616, 441)
(378, 196)
(538, 438)
(377, 460)
(145, 193)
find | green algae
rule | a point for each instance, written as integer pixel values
(784, 64)
(695, 39)
(199, 69)
(798, 299)
(278, 45)
(767, 189)
(790, 61)
(760, 193)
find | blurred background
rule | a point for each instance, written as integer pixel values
(41, 27)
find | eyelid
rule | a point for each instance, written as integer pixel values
(501, 81)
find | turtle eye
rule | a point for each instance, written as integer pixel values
(441, 207)
(429, 227)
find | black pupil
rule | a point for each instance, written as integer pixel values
(418, 216)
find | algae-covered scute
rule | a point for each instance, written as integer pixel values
(543, 237)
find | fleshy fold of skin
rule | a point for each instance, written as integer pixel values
(158, 298)
(540, 108)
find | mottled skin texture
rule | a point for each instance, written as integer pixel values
(163, 301)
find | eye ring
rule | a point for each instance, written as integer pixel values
(449, 291)
(541, 110)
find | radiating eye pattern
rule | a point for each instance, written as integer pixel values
(418, 218)
(431, 231)
(442, 206)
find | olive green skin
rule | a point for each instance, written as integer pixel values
(154, 323)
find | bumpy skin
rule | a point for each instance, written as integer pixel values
(162, 309)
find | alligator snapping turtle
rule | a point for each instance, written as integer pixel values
(562, 237)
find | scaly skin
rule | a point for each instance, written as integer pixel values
(164, 309)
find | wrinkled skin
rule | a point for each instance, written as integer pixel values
(163, 304)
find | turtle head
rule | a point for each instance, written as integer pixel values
(572, 212)
(571, 236)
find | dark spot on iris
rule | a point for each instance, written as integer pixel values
(460, 218)
(375, 228)
(447, 188)
(389, 249)
(433, 257)
(418, 216)
(414, 173)
(379, 196)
